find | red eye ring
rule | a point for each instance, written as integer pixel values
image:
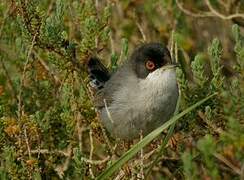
(150, 65)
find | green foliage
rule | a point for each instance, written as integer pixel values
(53, 28)
(215, 51)
(207, 147)
(239, 47)
(93, 26)
(189, 165)
(198, 70)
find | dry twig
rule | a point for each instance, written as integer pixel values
(209, 124)
(60, 169)
(222, 16)
(91, 153)
(212, 13)
(141, 31)
(44, 64)
(23, 77)
(135, 163)
(228, 163)
(189, 13)
(27, 142)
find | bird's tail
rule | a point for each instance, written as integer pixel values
(98, 73)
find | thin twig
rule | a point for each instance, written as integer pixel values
(222, 16)
(91, 153)
(50, 7)
(189, 13)
(212, 13)
(108, 112)
(228, 163)
(23, 77)
(111, 42)
(60, 169)
(110, 147)
(176, 53)
(135, 163)
(27, 142)
(44, 64)
(79, 130)
(96, 162)
(141, 31)
(209, 124)
(46, 151)
(172, 44)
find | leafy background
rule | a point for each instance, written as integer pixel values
(48, 125)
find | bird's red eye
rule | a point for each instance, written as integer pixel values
(150, 65)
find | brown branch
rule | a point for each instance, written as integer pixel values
(79, 129)
(228, 163)
(23, 78)
(212, 13)
(46, 151)
(141, 31)
(217, 130)
(135, 163)
(67, 154)
(60, 169)
(96, 162)
(189, 13)
(46, 67)
(91, 153)
(222, 16)
(27, 142)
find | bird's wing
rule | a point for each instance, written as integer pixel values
(98, 73)
(119, 81)
(109, 83)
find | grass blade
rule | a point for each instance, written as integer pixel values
(146, 140)
(166, 139)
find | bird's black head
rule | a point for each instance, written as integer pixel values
(149, 57)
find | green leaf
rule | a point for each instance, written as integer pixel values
(206, 145)
(236, 32)
(137, 147)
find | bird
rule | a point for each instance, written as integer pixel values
(139, 96)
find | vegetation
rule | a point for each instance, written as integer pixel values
(48, 125)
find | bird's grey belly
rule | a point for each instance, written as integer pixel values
(126, 120)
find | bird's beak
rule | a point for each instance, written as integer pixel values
(175, 64)
(170, 66)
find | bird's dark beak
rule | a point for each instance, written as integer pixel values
(169, 66)
(175, 64)
(172, 64)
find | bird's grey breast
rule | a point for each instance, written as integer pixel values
(141, 105)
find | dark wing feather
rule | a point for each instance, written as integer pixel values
(98, 73)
